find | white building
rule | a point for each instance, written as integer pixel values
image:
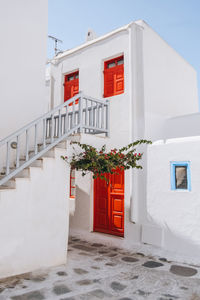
(150, 89)
(136, 87)
(31, 209)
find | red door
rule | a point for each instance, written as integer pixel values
(109, 204)
(71, 86)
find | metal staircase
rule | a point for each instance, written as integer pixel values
(21, 149)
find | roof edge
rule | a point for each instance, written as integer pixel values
(89, 43)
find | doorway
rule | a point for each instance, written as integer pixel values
(109, 204)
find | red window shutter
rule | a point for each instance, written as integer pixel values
(108, 83)
(113, 77)
(119, 80)
(71, 87)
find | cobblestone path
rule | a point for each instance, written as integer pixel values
(95, 271)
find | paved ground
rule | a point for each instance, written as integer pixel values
(95, 271)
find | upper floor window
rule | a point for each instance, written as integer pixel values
(114, 77)
(180, 176)
(71, 85)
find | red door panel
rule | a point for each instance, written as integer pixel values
(117, 214)
(101, 205)
(109, 204)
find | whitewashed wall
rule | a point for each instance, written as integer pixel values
(182, 126)
(34, 219)
(23, 32)
(170, 83)
(137, 113)
(174, 215)
(90, 63)
(81, 223)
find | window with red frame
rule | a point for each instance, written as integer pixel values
(71, 85)
(72, 183)
(114, 76)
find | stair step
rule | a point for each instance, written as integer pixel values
(23, 174)
(37, 163)
(49, 153)
(61, 144)
(5, 187)
(10, 183)
(2, 176)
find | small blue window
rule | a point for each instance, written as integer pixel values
(180, 175)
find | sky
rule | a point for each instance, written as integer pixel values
(176, 21)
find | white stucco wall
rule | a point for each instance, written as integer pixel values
(170, 83)
(137, 113)
(81, 223)
(23, 32)
(175, 214)
(90, 63)
(34, 219)
(182, 126)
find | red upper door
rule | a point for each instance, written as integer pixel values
(71, 85)
(114, 77)
(109, 204)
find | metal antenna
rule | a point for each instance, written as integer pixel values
(56, 43)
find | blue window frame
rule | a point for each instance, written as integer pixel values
(180, 175)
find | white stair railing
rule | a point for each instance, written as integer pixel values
(79, 114)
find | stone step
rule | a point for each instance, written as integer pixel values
(23, 174)
(50, 153)
(37, 163)
(61, 144)
(5, 187)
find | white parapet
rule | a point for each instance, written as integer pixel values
(34, 219)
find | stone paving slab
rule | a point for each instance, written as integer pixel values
(96, 271)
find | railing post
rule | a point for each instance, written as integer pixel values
(35, 142)
(27, 145)
(102, 116)
(66, 119)
(59, 123)
(97, 116)
(44, 134)
(73, 113)
(8, 158)
(18, 152)
(80, 113)
(52, 128)
(108, 118)
(86, 114)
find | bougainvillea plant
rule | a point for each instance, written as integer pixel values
(99, 161)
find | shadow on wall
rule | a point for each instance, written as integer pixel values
(81, 218)
(175, 241)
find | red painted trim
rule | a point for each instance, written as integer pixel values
(71, 187)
